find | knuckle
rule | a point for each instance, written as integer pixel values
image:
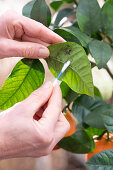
(29, 51)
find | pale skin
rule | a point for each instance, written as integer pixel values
(20, 134)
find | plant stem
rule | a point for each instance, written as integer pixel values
(76, 3)
(107, 69)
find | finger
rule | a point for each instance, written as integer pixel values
(62, 127)
(26, 38)
(32, 28)
(53, 110)
(23, 49)
(38, 98)
(37, 30)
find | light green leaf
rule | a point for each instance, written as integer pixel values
(56, 4)
(27, 76)
(101, 161)
(78, 75)
(79, 142)
(63, 13)
(89, 16)
(101, 51)
(107, 16)
(94, 131)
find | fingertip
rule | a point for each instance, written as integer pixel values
(43, 52)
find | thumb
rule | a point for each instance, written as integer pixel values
(38, 98)
(25, 49)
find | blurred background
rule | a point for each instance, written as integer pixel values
(60, 159)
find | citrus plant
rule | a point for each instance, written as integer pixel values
(90, 32)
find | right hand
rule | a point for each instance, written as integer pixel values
(22, 136)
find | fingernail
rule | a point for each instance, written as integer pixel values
(47, 85)
(43, 52)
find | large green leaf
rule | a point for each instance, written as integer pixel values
(56, 4)
(107, 15)
(89, 16)
(27, 76)
(101, 51)
(83, 38)
(68, 94)
(27, 9)
(108, 119)
(79, 142)
(67, 35)
(101, 117)
(66, 12)
(39, 11)
(101, 161)
(84, 105)
(78, 75)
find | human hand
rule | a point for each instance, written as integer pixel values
(24, 37)
(22, 136)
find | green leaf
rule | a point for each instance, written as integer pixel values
(84, 105)
(93, 131)
(27, 76)
(27, 9)
(67, 35)
(39, 11)
(89, 16)
(79, 142)
(100, 117)
(97, 92)
(83, 38)
(108, 120)
(56, 4)
(101, 161)
(107, 15)
(101, 51)
(63, 13)
(68, 94)
(78, 75)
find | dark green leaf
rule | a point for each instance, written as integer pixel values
(67, 35)
(78, 75)
(108, 119)
(101, 51)
(107, 14)
(101, 161)
(84, 105)
(63, 13)
(56, 4)
(79, 142)
(89, 16)
(100, 117)
(83, 38)
(27, 76)
(68, 94)
(41, 12)
(27, 9)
